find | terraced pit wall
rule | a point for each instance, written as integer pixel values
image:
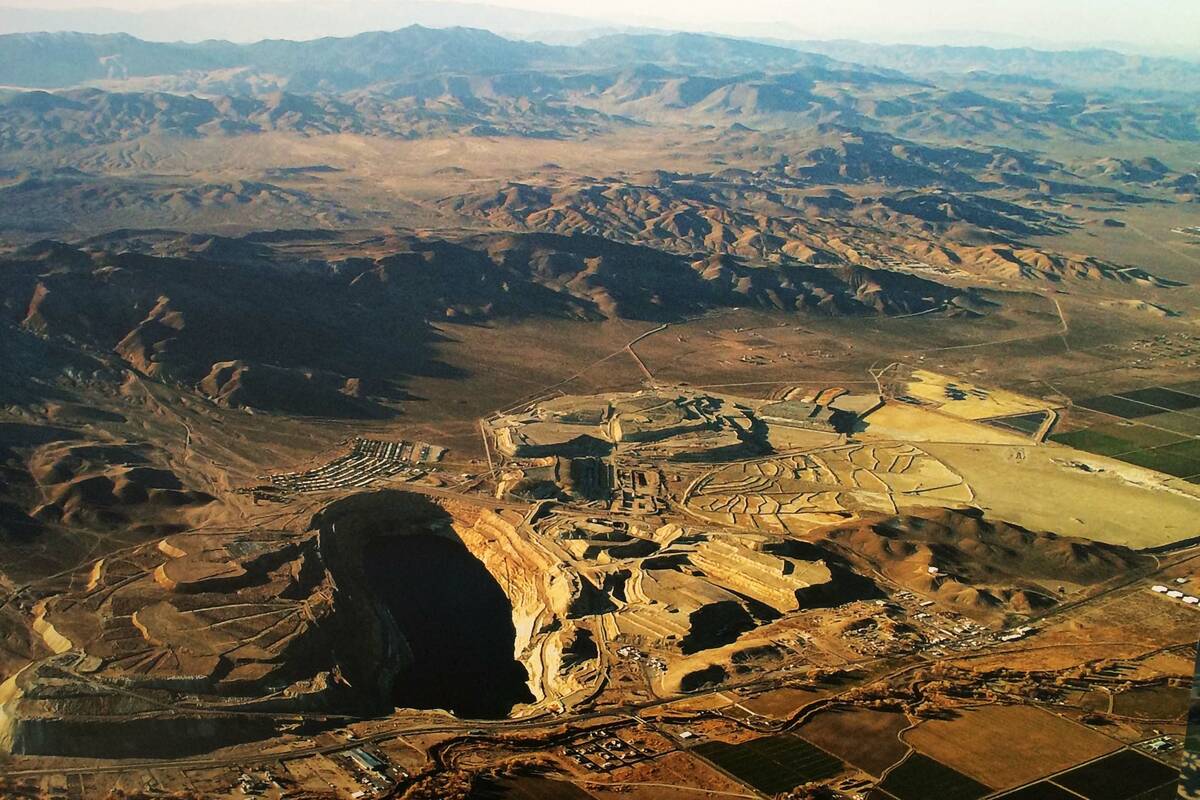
(545, 597)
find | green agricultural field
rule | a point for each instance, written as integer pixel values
(1040, 791)
(1161, 461)
(1142, 436)
(1118, 407)
(1092, 442)
(1175, 421)
(1189, 448)
(1024, 423)
(527, 788)
(1191, 387)
(1164, 398)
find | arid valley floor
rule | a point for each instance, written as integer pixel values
(654, 419)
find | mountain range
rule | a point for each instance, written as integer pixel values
(55, 60)
(81, 89)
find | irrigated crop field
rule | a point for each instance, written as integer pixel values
(1028, 424)
(528, 788)
(1040, 791)
(783, 702)
(1157, 427)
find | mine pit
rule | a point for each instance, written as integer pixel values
(716, 624)
(458, 624)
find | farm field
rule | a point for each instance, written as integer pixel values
(1007, 746)
(1022, 423)
(1162, 450)
(1152, 702)
(1163, 397)
(1042, 790)
(864, 738)
(1189, 448)
(1175, 421)
(1156, 428)
(1093, 441)
(1163, 460)
(920, 778)
(781, 703)
(528, 788)
(772, 764)
(1140, 435)
(1118, 406)
(1126, 775)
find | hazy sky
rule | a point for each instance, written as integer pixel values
(1169, 20)
(1170, 24)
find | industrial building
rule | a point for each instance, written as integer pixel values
(798, 414)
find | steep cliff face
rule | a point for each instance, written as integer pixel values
(547, 600)
(546, 597)
(343, 531)
(521, 571)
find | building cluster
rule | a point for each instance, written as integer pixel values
(599, 751)
(637, 490)
(588, 426)
(257, 783)
(1160, 745)
(631, 653)
(652, 417)
(369, 460)
(1177, 594)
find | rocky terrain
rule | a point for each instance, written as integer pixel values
(978, 565)
(218, 314)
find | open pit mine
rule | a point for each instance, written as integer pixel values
(624, 549)
(595, 413)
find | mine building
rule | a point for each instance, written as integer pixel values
(540, 439)
(365, 761)
(799, 414)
